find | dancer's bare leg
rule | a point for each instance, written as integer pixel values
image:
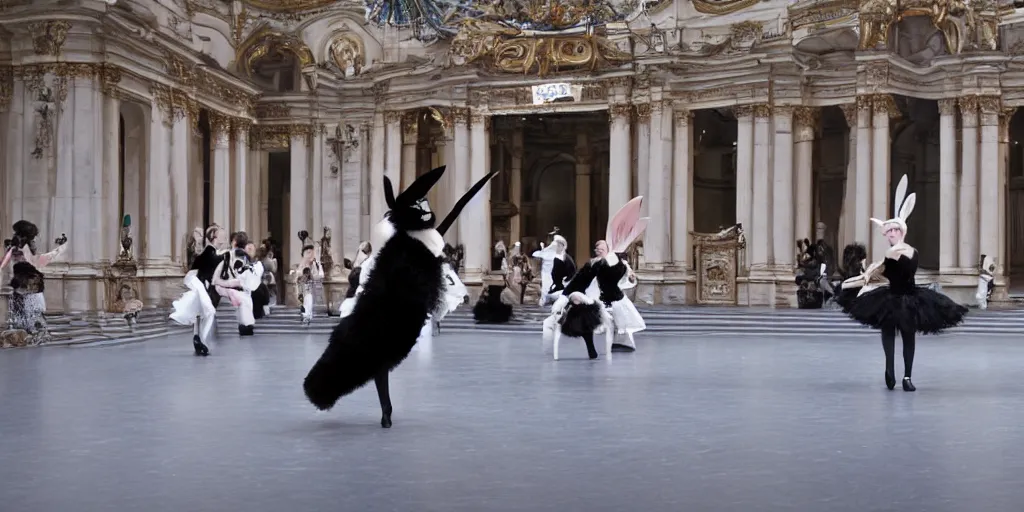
(381, 380)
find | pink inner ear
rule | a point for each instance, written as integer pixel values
(626, 225)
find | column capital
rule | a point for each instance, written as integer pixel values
(742, 111)
(459, 115)
(241, 126)
(763, 111)
(110, 76)
(1005, 115)
(619, 111)
(850, 114)
(393, 116)
(783, 110)
(410, 127)
(643, 112)
(864, 102)
(171, 103)
(947, 106)
(968, 110)
(480, 116)
(682, 115)
(220, 125)
(884, 104)
(806, 117)
(990, 107)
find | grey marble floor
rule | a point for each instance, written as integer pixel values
(490, 423)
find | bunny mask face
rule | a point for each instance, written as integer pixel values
(895, 229)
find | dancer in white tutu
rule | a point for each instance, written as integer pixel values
(593, 301)
(198, 306)
(557, 268)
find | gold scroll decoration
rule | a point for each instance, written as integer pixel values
(508, 51)
(718, 258)
(266, 42)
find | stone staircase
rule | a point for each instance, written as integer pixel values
(109, 328)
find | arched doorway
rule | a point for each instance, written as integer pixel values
(549, 200)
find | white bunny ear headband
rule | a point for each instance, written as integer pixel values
(903, 207)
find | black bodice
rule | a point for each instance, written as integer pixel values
(900, 273)
(608, 277)
(562, 269)
(206, 264)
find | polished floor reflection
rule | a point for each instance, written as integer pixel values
(489, 422)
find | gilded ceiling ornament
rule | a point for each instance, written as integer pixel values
(722, 6)
(266, 42)
(508, 50)
(349, 54)
(48, 37)
(876, 16)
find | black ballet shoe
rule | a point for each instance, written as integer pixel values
(200, 348)
(618, 347)
(890, 380)
(907, 385)
(385, 420)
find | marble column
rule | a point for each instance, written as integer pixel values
(77, 206)
(582, 202)
(410, 143)
(240, 175)
(760, 236)
(968, 198)
(111, 178)
(157, 243)
(197, 156)
(299, 204)
(446, 195)
(461, 177)
(620, 176)
(883, 107)
(782, 189)
(316, 180)
(682, 189)
(643, 154)
(393, 148)
(220, 171)
(181, 148)
(862, 188)
(475, 231)
(19, 123)
(947, 186)
(516, 170)
(1006, 115)
(988, 177)
(805, 125)
(375, 155)
(745, 176)
(657, 249)
(353, 189)
(848, 222)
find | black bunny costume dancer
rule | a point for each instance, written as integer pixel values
(401, 285)
(890, 300)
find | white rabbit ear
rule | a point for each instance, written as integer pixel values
(877, 222)
(908, 207)
(901, 192)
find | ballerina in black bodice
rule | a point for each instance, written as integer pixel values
(890, 300)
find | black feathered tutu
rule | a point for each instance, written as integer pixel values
(580, 319)
(846, 297)
(490, 309)
(919, 310)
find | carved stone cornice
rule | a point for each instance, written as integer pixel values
(272, 110)
(806, 117)
(278, 136)
(947, 107)
(643, 112)
(763, 111)
(782, 111)
(743, 111)
(850, 114)
(620, 111)
(199, 80)
(48, 37)
(722, 6)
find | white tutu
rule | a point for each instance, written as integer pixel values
(627, 319)
(193, 303)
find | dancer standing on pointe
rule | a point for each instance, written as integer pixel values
(198, 306)
(401, 284)
(579, 313)
(890, 300)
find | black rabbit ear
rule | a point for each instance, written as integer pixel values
(463, 201)
(419, 188)
(389, 193)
